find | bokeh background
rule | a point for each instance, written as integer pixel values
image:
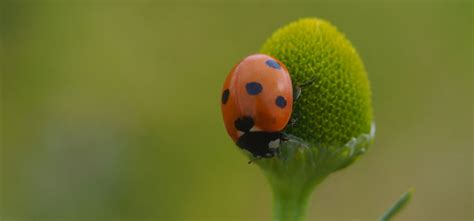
(110, 109)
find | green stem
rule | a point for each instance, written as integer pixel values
(297, 171)
(290, 205)
(291, 195)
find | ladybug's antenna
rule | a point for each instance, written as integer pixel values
(310, 81)
(299, 88)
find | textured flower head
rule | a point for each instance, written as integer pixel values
(334, 120)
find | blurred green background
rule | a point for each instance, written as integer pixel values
(110, 109)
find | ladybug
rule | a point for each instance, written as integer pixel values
(256, 103)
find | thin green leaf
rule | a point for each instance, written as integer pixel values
(398, 206)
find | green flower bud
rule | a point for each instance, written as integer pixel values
(333, 114)
(337, 106)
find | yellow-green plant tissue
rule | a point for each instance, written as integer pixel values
(337, 107)
(333, 119)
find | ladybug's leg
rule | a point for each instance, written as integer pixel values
(284, 137)
(295, 140)
(297, 92)
(255, 159)
(296, 96)
(294, 118)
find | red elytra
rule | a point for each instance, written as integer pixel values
(256, 103)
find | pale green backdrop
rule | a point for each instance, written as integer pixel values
(110, 109)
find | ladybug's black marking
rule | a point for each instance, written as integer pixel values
(273, 64)
(253, 88)
(280, 102)
(225, 96)
(244, 124)
(257, 143)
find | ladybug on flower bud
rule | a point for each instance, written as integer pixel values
(257, 102)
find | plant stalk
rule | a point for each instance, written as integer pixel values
(290, 206)
(291, 199)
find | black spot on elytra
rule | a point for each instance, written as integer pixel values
(253, 88)
(225, 96)
(244, 124)
(273, 64)
(280, 102)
